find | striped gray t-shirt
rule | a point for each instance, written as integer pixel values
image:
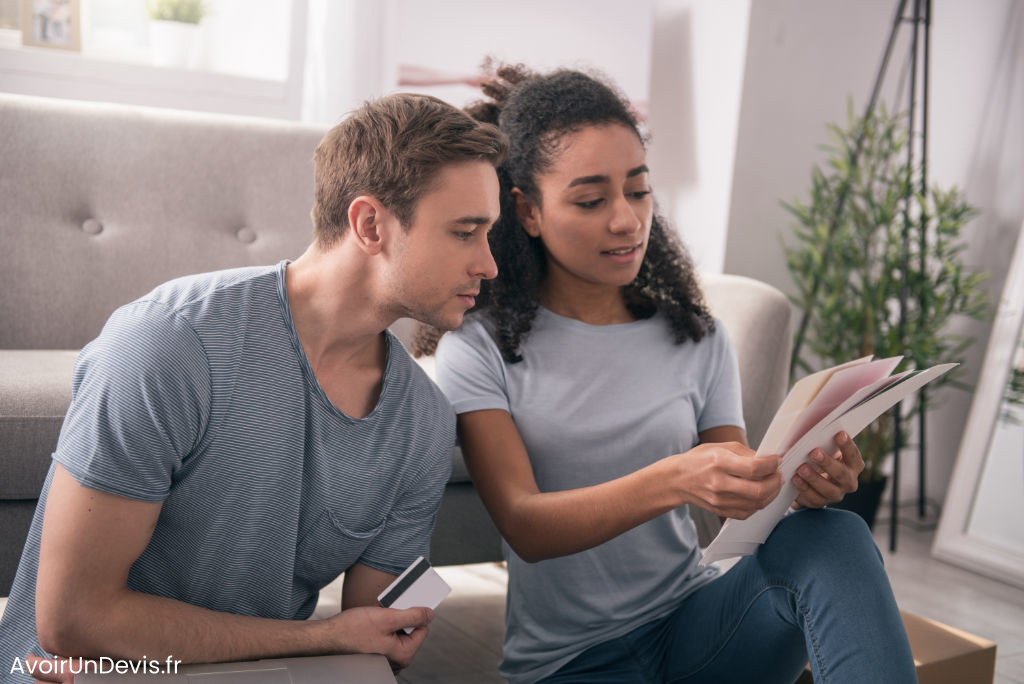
(200, 396)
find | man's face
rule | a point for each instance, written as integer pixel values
(440, 260)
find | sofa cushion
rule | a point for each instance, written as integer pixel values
(35, 392)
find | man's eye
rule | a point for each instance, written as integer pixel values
(463, 234)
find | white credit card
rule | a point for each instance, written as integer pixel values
(419, 585)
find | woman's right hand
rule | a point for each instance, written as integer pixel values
(726, 478)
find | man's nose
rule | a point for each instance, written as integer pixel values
(485, 267)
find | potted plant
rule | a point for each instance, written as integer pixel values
(173, 25)
(868, 244)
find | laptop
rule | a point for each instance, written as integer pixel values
(355, 668)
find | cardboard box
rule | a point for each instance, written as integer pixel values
(943, 654)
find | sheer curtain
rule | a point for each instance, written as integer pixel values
(348, 57)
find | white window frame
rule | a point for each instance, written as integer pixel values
(56, 73)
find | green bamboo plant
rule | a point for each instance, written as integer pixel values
(182, 11)
(889, 243)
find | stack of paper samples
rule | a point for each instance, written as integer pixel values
(844, 398)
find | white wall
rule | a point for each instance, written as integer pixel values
(696, 82)
(456, 35)
(681, 60)
(804, 57)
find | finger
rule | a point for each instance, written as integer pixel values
(46, 672)
(750, 467)
(851, 453)
(840, 472)
(807, 497)
(409, 644)
(827, 488)
(740, 498)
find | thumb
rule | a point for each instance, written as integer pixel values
(413, 617)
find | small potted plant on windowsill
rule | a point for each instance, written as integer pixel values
(889, 243)
(173, 25)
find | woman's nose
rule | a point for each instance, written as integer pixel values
(624, 218)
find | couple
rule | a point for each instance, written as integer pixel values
(238, 439)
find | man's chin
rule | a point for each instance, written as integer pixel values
(441, 322)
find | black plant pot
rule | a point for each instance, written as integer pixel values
(865, 501)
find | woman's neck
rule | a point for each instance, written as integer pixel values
(586, 302)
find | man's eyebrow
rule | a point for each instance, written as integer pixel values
(599, 178)
(473, 220)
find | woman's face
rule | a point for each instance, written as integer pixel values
(596, 207)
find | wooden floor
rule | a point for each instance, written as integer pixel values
(464, 646)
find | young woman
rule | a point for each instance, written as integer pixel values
(597, 398)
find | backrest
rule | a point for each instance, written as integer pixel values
(103, 202)
(757, 317)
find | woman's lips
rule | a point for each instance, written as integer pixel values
(622, 255)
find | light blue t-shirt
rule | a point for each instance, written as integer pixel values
(200, 396)
(593, 403)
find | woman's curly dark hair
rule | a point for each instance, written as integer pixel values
(535, 112)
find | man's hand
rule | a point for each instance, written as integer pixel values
(369, 629)
(49, 673)
(823, 479)
(728, 480)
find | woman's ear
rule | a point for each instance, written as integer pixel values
(529, 215)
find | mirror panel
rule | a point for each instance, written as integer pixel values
(981, 526)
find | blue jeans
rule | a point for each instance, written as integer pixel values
(815, 589)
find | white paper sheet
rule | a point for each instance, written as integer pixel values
(856, 412)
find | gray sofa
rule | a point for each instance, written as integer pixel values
(103, 202)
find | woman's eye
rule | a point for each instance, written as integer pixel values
(640, 194)
(589, 204)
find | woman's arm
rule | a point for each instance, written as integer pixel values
(724, 478)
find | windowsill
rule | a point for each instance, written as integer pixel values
(59, 73)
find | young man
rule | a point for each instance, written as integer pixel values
(238, 439)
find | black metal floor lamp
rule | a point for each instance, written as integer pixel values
(919, 19)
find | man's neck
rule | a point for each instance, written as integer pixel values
(331, 297)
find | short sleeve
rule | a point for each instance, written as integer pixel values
(723, 403)
(140, 404)
(470, 370)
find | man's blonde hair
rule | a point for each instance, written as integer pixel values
(392, 149)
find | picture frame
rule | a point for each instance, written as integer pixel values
(980, 524)
(51, 24)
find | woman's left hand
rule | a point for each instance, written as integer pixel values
(824, 480)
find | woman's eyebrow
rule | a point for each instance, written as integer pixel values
(583, 180)
(600, 178)
(637, 171)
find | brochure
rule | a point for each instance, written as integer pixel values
(846, 398)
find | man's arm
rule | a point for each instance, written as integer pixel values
(84, 607)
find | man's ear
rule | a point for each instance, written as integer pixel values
(365, 216)
(529, 215)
